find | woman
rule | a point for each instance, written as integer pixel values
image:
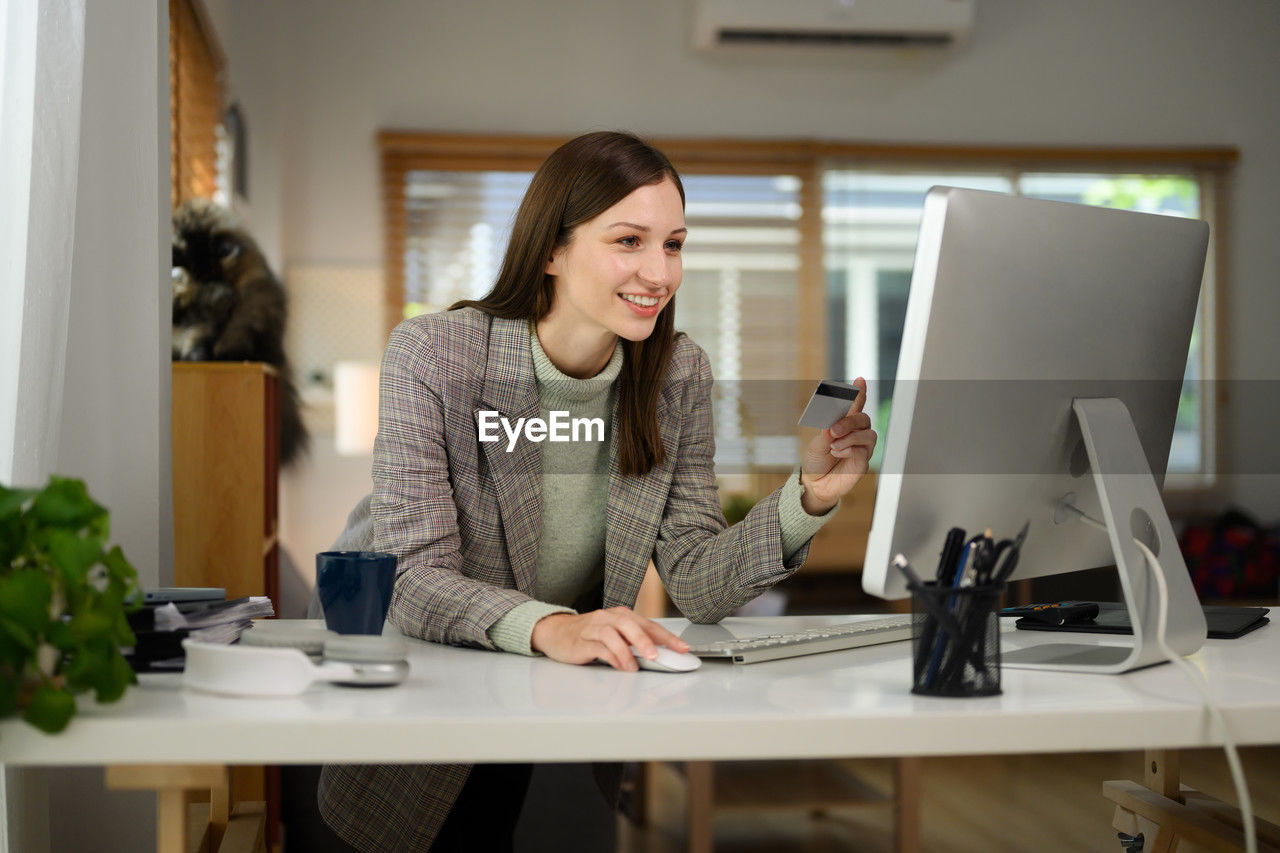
(539, 547)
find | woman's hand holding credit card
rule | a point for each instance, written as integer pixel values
(837, 457)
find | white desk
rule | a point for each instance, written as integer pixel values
(469, 705)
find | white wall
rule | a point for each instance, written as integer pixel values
(254, 65)
(1036, 72)
(115, 410)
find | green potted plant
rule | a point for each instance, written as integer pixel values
(63, 604)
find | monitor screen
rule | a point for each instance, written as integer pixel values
(1017, 308)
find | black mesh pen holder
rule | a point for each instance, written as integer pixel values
(955, 640)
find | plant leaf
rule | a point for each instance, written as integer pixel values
(8, 692)
(65, 502)
(25, 596)
(118, 678)
(59, 635)
(13, 655)
(123, 634)
(73, 555)
(97, 667)
(52, 544)
(91, 623)
(79, 669)
(14, 633)
(50, 709)
(11, 500)
(118, 566)
(11, 538)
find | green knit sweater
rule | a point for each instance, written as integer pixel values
(575, 488)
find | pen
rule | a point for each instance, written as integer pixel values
(950, 554)
(933, 637)
(944, 634)
(900, 563)
(929, 632)
(965, 557)
(930, 604)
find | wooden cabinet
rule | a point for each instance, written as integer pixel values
(225, 505)
(225, 477)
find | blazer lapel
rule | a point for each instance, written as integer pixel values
(634, 511)
(511, 389)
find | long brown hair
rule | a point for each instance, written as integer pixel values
(580, 180)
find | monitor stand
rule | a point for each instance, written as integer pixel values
(1131, 507)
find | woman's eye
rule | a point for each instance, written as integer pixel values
(630, 242)
(674, 246)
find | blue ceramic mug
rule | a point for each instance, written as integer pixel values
(355, 589)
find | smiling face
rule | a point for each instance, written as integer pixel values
(620, 269)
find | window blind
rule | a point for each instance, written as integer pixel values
(737, 298)
(195, 102)
(798, 260)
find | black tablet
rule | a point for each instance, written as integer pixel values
(1225, 622)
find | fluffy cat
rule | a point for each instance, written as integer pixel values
(227, 306)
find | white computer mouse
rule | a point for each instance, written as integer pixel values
(667, 661)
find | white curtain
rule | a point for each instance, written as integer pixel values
(41, 74)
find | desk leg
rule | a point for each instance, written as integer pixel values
(700, 793)
(906, 805)
(172, 784)
(1168, 813)
(1161, 772)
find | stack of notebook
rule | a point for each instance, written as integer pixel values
(167, 617)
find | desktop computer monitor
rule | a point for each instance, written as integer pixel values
(1041, 366)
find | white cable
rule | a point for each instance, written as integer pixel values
(1089, 520)
(1197, 681)
(1202, 687)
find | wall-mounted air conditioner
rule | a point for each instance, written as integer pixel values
(725, 24)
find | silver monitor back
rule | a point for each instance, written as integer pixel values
(1017, 308)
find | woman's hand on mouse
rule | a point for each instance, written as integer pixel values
(606, 635)
(837, 457)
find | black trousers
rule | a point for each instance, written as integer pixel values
(485, 814)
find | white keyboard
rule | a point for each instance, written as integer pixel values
(848, 635)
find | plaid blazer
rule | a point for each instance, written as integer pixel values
(463, 517)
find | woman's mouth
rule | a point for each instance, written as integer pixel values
(643, 306)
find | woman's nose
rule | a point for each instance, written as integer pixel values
(657, 269)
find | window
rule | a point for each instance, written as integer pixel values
(739, 287)
(738, 301)
(870, 219)
(195, 104)
(1172, 195)
(783, 232)
(456, 228)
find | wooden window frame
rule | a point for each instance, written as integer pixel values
(402, 151)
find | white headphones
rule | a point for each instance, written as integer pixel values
(274, 658)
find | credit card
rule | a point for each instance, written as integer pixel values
(830, 402)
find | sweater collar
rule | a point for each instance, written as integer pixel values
(554, 383)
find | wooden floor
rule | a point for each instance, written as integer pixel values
(1040, 802)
